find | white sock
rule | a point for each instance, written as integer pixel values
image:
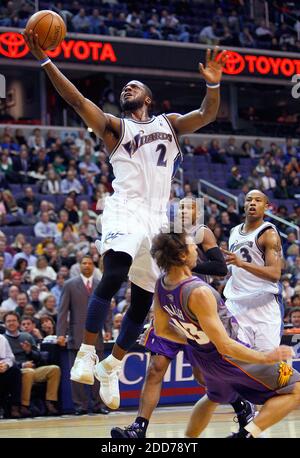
(254, 430)
(113, 362)
(87, 348)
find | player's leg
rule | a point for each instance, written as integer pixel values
(107, 371)
(150, 395)
(116, 265)
(200, 417)
(274, 410)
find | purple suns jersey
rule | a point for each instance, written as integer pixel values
(175, 303)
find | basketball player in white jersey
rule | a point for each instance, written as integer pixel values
(253, 290)
(144, 153)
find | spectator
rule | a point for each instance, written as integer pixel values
(295, 301)
(8, 259)
(294, 188)
(84, 208)
(29, 325)
(26, 254)
(22, 301)
(10, 204)
(29, 359)
(70, 183)
(241, 197)
(117, 321)
(57, 289)
(10, 380)
(52, 184)
(74, 302)
(216, 153)
(29, 198)
(21, 268)
(254, 180)
(295, 317)
(268, 181)
(236, 180)
(29, 218)
(125, 303)
(45, 229)
(187, 148)
(208, 34)
(281, 191)
(10, 304)
(2, 270)
(264, 35)
(47, 326)
(86, 227)
(232, 150)
(34, 292)
(70, 207)
(48, 307)
(246, 39)
(48, 207)
(42, 269)
(81, 22)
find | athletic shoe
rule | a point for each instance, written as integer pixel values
(131, 432)
(246, 415)
(241, 434)
(109, 385)
(83, 367)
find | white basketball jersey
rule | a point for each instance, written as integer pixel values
(145, 160)
(242, 284)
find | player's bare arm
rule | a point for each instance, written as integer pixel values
(203, 305)
(271, 245)
(104, 125)
(212, 73)
(163, 327)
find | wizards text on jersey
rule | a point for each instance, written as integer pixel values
(236, 246)
(139, 140)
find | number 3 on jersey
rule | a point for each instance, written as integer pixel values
(161, 158)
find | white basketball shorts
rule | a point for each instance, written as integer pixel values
(259, 320)
(130, 227)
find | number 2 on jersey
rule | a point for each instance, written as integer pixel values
(161, 159)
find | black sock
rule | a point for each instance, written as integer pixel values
(143, 423)
(245, 434)
(238, 405)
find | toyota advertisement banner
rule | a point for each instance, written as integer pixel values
(146, 54)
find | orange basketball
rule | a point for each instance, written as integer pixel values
(50, 28)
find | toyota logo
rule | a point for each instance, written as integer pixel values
(235, 63)
(13, 45)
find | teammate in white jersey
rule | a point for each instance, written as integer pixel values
(144, 152)
(253, 290)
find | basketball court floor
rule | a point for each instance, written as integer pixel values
(167, 422)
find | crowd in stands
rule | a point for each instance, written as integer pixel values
(226, 23)
(51, 193)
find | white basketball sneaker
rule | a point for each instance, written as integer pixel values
(109, 383)
(83, 367)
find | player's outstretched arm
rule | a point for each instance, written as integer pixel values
(204, 306)
(162, 325)
(212, 73)
(271, 244)
(92, 115)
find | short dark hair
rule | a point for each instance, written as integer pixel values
(86, 256)
(13, 314)
(294, 309)
(27, 317)
(167, 249)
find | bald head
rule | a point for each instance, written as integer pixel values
(256, 204)
(257, 191)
